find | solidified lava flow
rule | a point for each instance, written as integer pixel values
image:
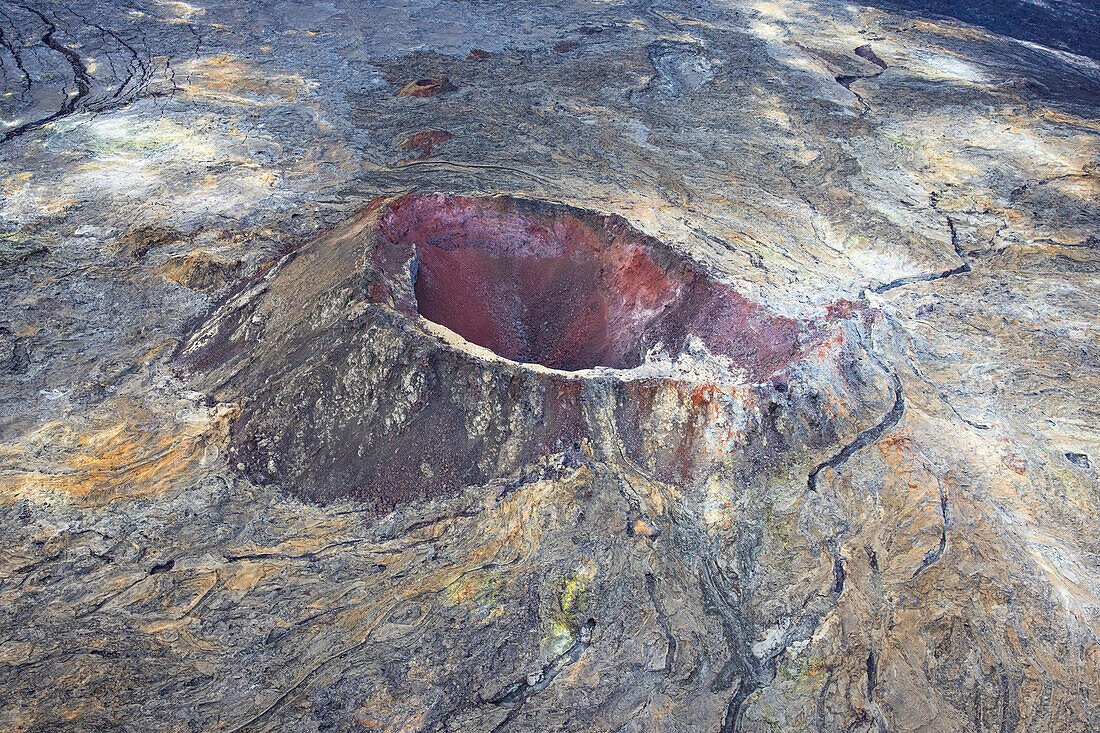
(572, 290)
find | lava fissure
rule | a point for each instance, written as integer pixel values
(761, 671)
(866, 437)
(81, 78)
(716, 592)
(519, 692)
(866, 52)
(14, 52)
(142, 70)
(662, 622)
(872, 681)
(840, 575)
(971, 423)
(964, 268)
(933, 555)
(936, 552)
(309, 556)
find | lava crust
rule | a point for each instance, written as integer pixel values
(435, 342)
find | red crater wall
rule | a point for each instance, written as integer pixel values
(571, 290)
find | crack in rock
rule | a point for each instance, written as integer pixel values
(519, 692)
(930, 277)
(866, 437)
(936, 552)
(81, 78)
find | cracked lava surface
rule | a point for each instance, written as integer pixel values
(510, 366)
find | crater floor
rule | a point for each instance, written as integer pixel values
(457, 366)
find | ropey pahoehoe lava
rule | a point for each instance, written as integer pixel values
(433, 342)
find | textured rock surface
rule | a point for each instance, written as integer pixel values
(910, 545)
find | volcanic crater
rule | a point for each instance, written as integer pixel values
(572, 292)
(435, 342)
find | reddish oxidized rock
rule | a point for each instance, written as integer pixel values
(433, 342)
(573, 292)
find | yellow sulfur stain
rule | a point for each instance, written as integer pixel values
(572, 599)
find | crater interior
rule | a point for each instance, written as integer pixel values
(572, 290)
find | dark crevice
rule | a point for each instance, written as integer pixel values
(732, 722)
(936, 552)
(846, 80)
(819, 702)
(162, 567)
(872, 559)
(81, 78)
(131, 73)
(464, 514)
(1080, 460)
(872, 680)
(865, 438)
(662, 621)
(110, 597)
(971, 423)
(519, 692)
(753, 672)
(839, 573)
(961, 269)
(198, 39)
(135, 57)
(933, 555)
(11, 49)
(813, 210)
(867, 53)
(312, 555)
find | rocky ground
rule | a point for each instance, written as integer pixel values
(915, 547)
